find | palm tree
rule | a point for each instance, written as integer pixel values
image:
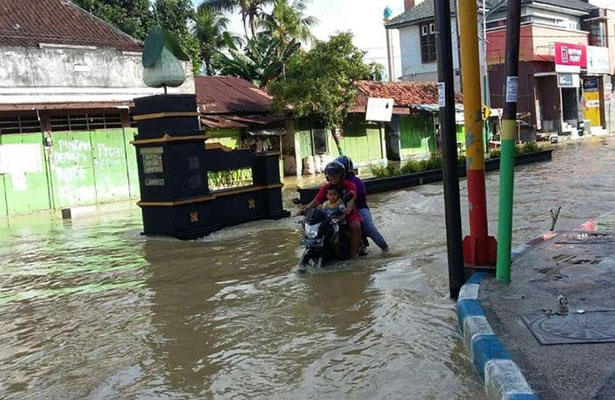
(287, 23)
(210, 28)
(250, 11)
(261, 62)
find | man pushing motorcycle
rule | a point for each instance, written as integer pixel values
(335, 172)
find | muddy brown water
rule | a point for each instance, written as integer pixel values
(90, 309)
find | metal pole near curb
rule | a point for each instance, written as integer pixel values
(479, 248)
(446, 90)
(509, 132)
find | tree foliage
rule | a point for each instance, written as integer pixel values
(260, 62)
(133, 17)
(320, 82)
(250, 10)
(287, 23)
(376, 72)
(174, 16)
(266, 55)
(210, 29)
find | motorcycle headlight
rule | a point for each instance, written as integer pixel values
(311, 231)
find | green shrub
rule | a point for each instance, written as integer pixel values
(411, 167)
(529, 148)
(434, 162)
(495, 154)
(385, 171)
(522, 149)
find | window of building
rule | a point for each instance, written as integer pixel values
(85, 122)
(20, 124)
(428, 42)
(597, 34)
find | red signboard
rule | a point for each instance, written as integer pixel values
(570, 55)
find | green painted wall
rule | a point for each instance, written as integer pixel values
(72, 169)
(27, 192)
(227, 137)
(362, 142)
(81, 168)
(131, 161)
(461, 137)
(110, 169)
(303, 138)
(3, 210)
(417, 135)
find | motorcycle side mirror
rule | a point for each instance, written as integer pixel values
(348, 197)
(296, 201)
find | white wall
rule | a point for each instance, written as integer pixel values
(35, 75)
(412, 65)
(545, 15)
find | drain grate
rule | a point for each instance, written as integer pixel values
(572, 328)
(587, 238)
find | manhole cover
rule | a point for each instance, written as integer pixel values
(572, 328)
(587, 238)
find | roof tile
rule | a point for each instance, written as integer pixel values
(28, 23)
(403, 93)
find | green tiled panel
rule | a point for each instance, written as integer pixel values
(27, 191)
(110, 170)
(72, 169)
(131, 159)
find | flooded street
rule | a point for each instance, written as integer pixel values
(90, 309)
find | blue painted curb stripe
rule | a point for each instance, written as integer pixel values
(468, 308)
(522, 397)
(477, 277)
(486, 348)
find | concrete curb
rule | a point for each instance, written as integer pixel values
(502, 377)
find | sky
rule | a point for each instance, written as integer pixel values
(364, 18)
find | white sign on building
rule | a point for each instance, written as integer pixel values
(379, 109)
(598, 60)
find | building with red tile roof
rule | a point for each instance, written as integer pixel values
(67, 83)
(407, 96)
(31, 23)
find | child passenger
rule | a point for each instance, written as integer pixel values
(334, 204)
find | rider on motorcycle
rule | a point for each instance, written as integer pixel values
(369, 228)
(335, 172)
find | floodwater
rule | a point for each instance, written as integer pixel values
(90, 309)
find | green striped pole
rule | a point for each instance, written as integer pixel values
(509, 130)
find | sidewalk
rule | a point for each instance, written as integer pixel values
(577, 360)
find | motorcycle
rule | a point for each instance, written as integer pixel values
(325, 239)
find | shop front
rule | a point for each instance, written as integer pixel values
(569, 60)
(594, 105)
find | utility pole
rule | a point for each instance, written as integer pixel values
(479, 248)
(446, 89)
(509, 131)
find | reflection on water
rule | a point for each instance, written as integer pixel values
(92, 309)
